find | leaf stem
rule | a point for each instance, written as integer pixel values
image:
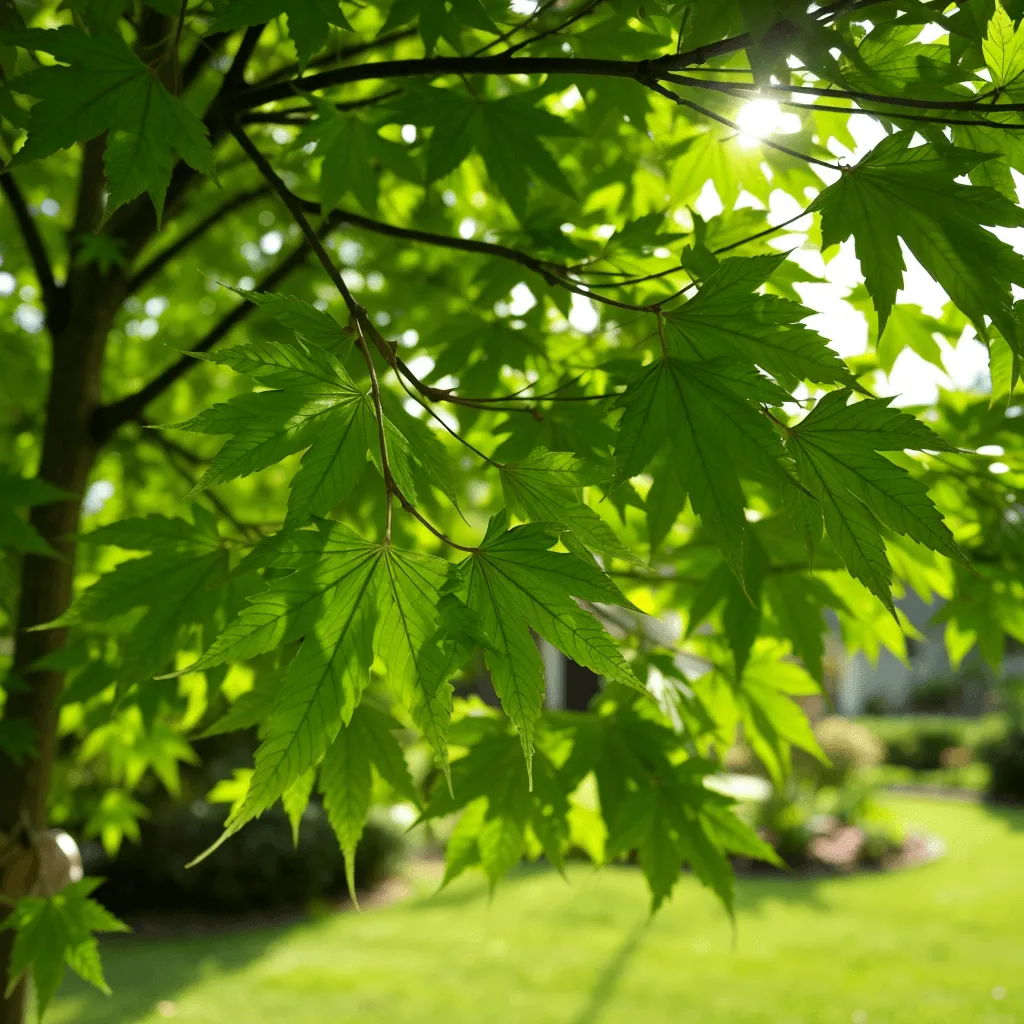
(361, 322)
(378, 411)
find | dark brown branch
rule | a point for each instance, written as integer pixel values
(550, 272)
(757, 235)
(108, 418)
(301, 115)
(503, 65)
(52, 297)
(158, 262)
(976, 103)
(235, 76)
(295, 208)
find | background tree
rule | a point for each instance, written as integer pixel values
(485, 298)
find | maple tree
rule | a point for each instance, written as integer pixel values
(395, 341)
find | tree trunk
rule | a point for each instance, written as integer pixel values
(68, 452)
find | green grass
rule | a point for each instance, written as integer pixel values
(933, 945)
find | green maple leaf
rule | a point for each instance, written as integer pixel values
(665, 500)
(295, 800)
(438, 20)
(106, 88)
(1003, 50)
(331, 603)
(545, 487)
(407, 608)
(836, 448)
(52, 933)
(507, 133)
(24, 492)
(309, 22)
(513, 582)
(348, 599)
(898, 192)
(657, 805)
(698, 408)
(727, 317)
(346, 779)
(315, 406)
(176, 584)
(741, 614)
(114, 819)
(501, 811)
(351, 149)
(909, 327)
(772, 720)
(308, 322)
(250, 709)
(797, 600)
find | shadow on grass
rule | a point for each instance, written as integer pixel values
(753, 891)
(146, 972)
(1012, 815)
(477, 889)
(610, 975)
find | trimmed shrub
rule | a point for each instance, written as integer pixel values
(920, 742)
(850, 746)
(1005, 754)
(260, 868)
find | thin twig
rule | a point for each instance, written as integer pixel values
(378, 410)
(108, 418)
(303, 115)
(162, 258)
(541, 10)
(344, 53)
(360, 320)
(729, 123)
(176, 42)
(439, 419)
(33, 242)
(975, 103)
(571, 20)
(159, 440)
(294, 206)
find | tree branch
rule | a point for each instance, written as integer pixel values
(360, 321)
(503, 65)
(741, 89)
(109, 417)
(345, 53)
(550, 272)
(302, 115)
(52, 297)
(170, 448)
(206, 47)
(555, 29)
(158, 262)
(541, 10)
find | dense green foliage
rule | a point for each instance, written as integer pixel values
(529, 350)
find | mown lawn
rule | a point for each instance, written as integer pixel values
(941, 944)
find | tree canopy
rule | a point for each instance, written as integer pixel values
(351, 349)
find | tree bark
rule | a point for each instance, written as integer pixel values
(68, 453)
